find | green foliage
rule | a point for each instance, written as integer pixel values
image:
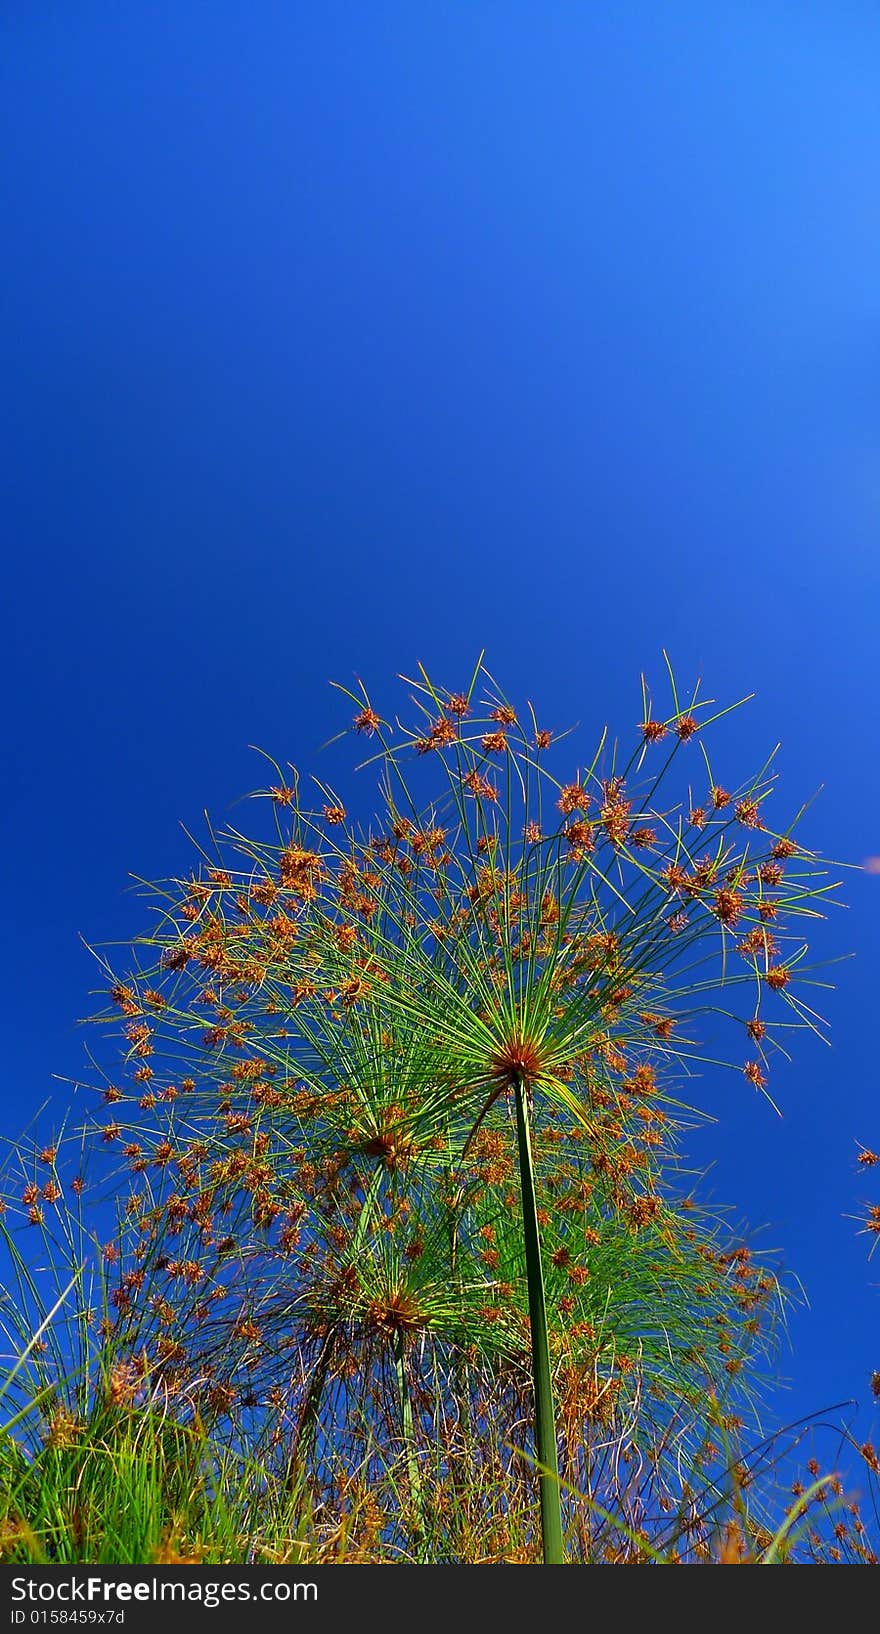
(321, 1260)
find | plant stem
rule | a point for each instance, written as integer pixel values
(409, 1441)
(545, 1418)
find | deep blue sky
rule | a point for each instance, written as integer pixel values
(337, 337)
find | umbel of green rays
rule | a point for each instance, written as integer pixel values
(115, 1476)
(357, 1295)
(507, 932)
(447, 1287)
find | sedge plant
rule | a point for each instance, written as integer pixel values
(438, 1053)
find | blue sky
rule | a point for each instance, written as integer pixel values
(340, 337)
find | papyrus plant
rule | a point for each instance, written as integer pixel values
(514, 948)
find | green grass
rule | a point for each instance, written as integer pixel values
(135, 1488)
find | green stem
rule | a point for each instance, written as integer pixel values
(409, 1441)
(545, 1419)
